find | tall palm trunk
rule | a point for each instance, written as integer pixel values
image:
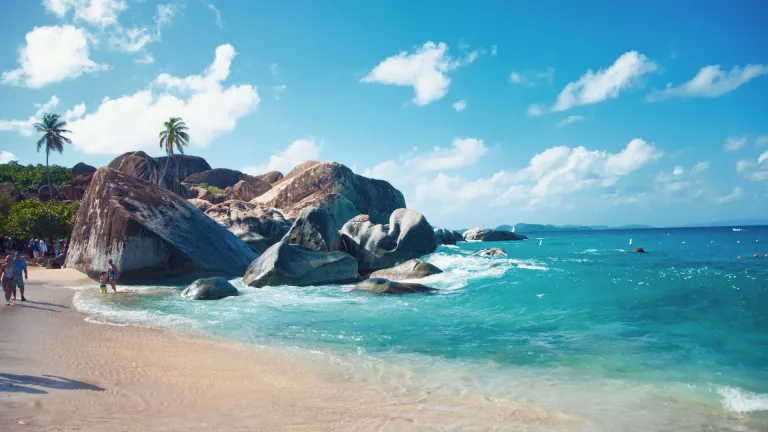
(48, 168)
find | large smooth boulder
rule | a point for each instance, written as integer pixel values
(142, 166)
(491, 252)
(315, 229)
(340, 208)
(258, 226)
(487, 234)
(182, 166)
(201, 205)
(150, 233)
(270, 177)
(408, 235)
(81, 168)
(75, 190)
(411, 269)
(215, 288)
(458, 236)
(246, 191)
(44, 194)
(286, 264)
(222, 178)
(312, 181)
(384, 286)
(444, 237)
(10, 196)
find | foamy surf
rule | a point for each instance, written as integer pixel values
(742, 401)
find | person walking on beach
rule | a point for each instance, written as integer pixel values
(35, 246)
(7, 277)
(21, 273)
(112, 274)
(43, 248)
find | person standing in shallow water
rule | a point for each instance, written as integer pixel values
(112, 274)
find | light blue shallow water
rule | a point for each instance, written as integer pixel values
(675, 339)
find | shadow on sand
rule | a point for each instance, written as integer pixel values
(11, 383)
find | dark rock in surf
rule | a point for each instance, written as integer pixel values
(384, 286)
(491, 252)
(638, 250)
(412, 269)
(215, 288)
(487, 234)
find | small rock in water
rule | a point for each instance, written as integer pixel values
(385, 286)
(491, 252)
(638, 250)
(209, 289)
(411, 269)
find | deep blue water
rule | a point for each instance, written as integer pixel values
(682, 328)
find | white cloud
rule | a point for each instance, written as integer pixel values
(273, 68)
(132, 122)
(754, 171)
(533, 77)
(24, 127)
(100, 13)
(734, 143)
(52, 54)
(594, 87)
(6, 157)
(425, 70)
(761, 140)
(763, 158)
(700, 167)
(678, 171)
(299, 151)
(131, 41)
(460, 105)
(165, 14)
(535, 110)
(279, 90)
(734, 195)
(570, 119)
(217, 14)
(711, 82)
(146, 58)
(494, 50)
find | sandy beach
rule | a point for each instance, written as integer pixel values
(61, 373)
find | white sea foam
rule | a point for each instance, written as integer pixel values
(590, 251)
(102, 311)
(459, 270)
(742, 401)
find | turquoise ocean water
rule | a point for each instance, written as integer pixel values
(674, 339)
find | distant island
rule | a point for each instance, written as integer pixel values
(526, 227)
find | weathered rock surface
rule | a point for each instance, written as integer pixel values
(201, 205)
(258, 226)
(311, 181)
(638, 250)
(75, 189)
(285, 264)
(270, 177)
(215, 288)
(44, 195)
(340, 208)
(375, 246)
(222, 178)
(8, 189)
(81, 168)
(150, 233)
(202, 194)
(246, 191)
(315, 229)
(487, 234)
(458, 236)
(140, 165)
(444, 236)
(384, 286)
(182, 166)
(412, 269)
(491, 252)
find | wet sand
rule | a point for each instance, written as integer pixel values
(59, 372)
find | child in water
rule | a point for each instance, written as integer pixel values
(103, 282)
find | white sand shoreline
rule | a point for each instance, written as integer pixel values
(61, 372)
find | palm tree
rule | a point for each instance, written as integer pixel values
(174, 135)
(52, 128)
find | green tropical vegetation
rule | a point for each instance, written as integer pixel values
(53, 139)
(50, 220)
(213, 189)
(29, 178)
(173, 136)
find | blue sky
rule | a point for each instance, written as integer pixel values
(545, 112)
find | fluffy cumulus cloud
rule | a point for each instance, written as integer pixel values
(756, 171)
(552, 176)
(426, 70)
(460, 105)
(711, 82)
(734, 143)
(100, 13)
(533, 77)
(569, 120)
(6, 157)
(131, 122)
(735, 194)
(299, 151)
(52, 54)
(595, 87)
